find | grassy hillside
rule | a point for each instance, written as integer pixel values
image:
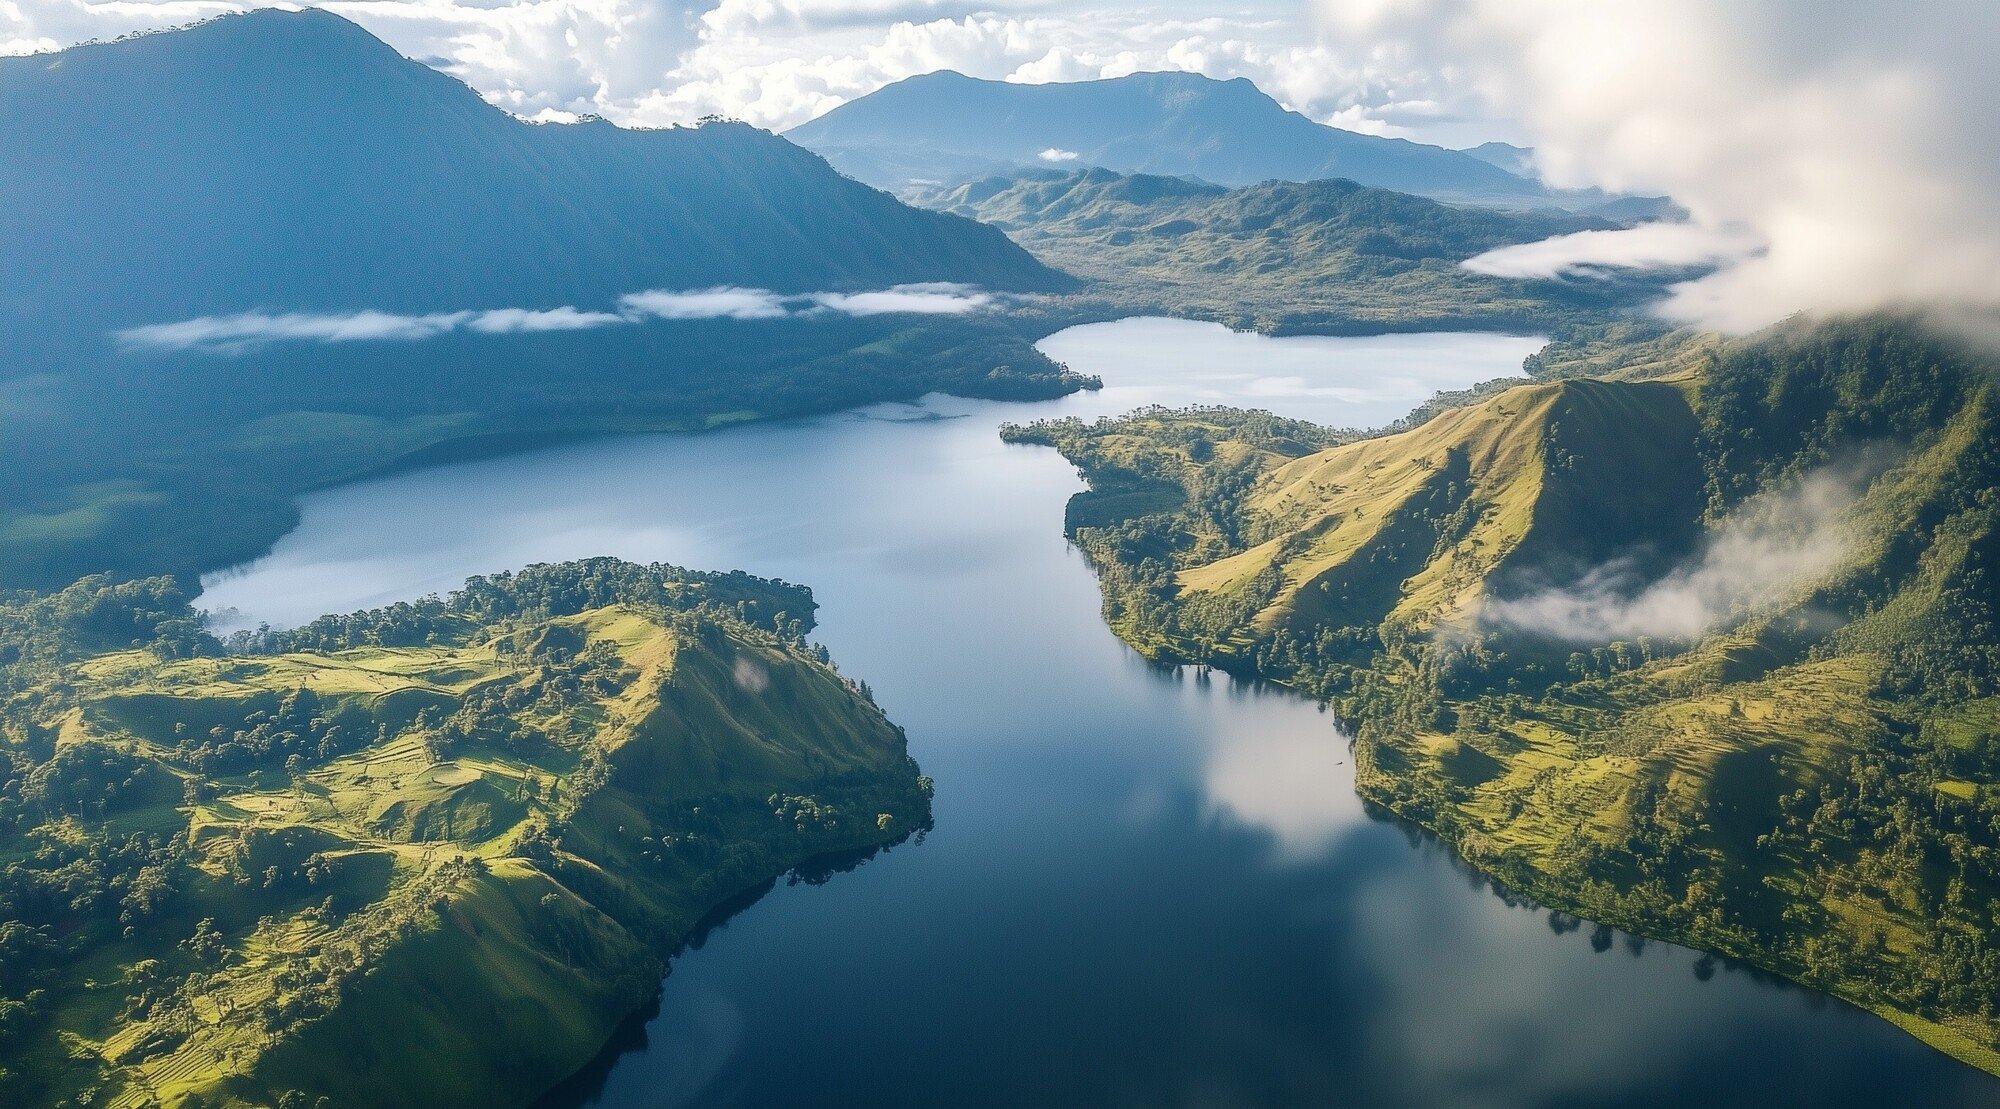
(1280, 256)
(428, 855)
(1704, 647)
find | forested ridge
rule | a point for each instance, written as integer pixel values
(1805, 777)
(1322, 257)
(431, 853)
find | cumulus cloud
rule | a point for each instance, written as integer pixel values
(1771, 547)
(1647, 246)
(778, 63)
(725, 302)
(931, 299)
(1860, 140)
(1058, 154)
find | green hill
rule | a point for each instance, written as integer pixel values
(1702, 643)
(1279, 255)
(430, 855)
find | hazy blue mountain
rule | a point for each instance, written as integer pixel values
(289, 160)
(282, 163)
(1517, 160)
(1327, 255)
(945, 126)
(1616, 207)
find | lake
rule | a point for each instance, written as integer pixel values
(1144, 886)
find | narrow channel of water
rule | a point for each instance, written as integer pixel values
(1144, 887)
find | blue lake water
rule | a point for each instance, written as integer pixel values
(1144, 886)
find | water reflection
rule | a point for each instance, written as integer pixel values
(1145, 887)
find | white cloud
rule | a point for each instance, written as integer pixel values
(706, 304)
(240, 332)
(247, 330)
(924, 299)
(778, 63)
(502, 321)
(1861, 140)
(1057, 154)
(1771, 547)
(1647, 246)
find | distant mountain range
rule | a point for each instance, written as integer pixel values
(291, 161)
(944, 127)
(1326, 255)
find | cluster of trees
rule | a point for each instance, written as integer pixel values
(545, 591)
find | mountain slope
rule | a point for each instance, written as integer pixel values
(1279, 255)
(430, 855)
(1713, 657)
(360, 208)
(290, 161)
(945, 126)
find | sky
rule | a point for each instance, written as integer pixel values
(1844, 153)
(778, 63)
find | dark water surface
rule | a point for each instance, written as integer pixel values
(1144, 887)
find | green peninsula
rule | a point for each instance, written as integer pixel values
(1693, 637)
(429, 854)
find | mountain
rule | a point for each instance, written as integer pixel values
(428, 855)
(945, 126)
(1280, 255)
(290, 161)
(1520, 161)
(415, 269)
(1517, 160)
(1697, 639)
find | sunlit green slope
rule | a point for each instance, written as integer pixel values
(1705, 647)
(435, 872)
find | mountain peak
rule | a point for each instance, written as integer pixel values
(259, 29)
(948, 127)
(291, 161)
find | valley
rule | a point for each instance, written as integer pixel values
(1170, 819)
(1296, 613)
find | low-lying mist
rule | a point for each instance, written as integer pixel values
(1760, 556)
(230, 334)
